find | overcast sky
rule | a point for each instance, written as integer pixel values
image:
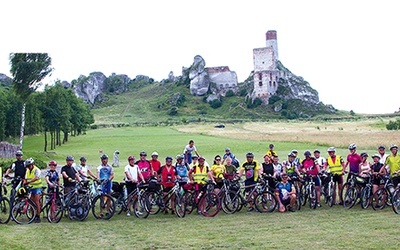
(347, 50)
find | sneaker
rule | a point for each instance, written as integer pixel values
(251, 209)
(172, 212)
(165, 211)
(128, 213)
(290, 209)
(37, 220)
(318, 204)
(341, 203)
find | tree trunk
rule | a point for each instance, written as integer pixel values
(21, 136)
(45, 141)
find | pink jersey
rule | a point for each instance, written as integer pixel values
(309, 166)
(354, 161)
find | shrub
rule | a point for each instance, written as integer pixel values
(393, 125)
(215, 103)
(229, 93)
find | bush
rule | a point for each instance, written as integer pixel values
(229, 93)
(173, 111)
(393, 125)
(215, 103)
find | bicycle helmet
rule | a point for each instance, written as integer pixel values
(83, 158)
(143, 153)
(271, 145)
(131, 157)
(54, 163)
(307, 153)
(364, 154)
(393, 146)
(69, 158)
(193, 157)
(19, 153)
(249, 155)
(168, 158)
(381, 146)
(352, 146)
(154, 154)
(376, 156)
(317, 151)
(180, 157)
(331, 149)
(294, 151)
(202, 158)
(29, 162)
(104, 156)
(227, 149)
(291, 155)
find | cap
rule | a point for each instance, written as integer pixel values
(69, 158)
(104, 156)
(227, 149)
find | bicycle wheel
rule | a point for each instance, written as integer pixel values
(190, 203)
(312, 197)
(139, 206)
(325, 192)
(265, 202)
(365, 198)
(303, 195)
(379, 199)
(103, 207)
(120, 205)
(329, 195)
(396, 201)
(209, 205)
(230, 202)
(350, 196)
(23, 211)
(155, 202)
(5, 211)
(55, 211)
(180, 206)
(78, 208)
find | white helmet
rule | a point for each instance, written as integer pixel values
(154, 154)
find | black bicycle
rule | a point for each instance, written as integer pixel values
(5, 207)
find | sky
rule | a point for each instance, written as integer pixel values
(347, 50)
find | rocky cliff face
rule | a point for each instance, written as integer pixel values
(5, 80)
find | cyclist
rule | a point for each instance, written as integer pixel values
(194, 163)
(17, 167)
(132, 177)
(32, 179)
(278, 168)
(271, 153)
(382, 154)
(268, 171)
(291, 166)
(393, 163)
(354, 160)
(365, 167)
(320, 160)
(83, 170)
(285, 193)
(144, 166)
(297, 160)
(229, 154)
(155, 163)
(310, 167)
(217, 172)
(230, 169)
(105, 174)
(199, 174)
(167, 174)
(252, 169)
(52, 177)
(181, 170)
(188, 151)
(335, 165)
(377, 171)
(69, 175)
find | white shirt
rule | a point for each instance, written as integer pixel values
(133, 171)
(189, 149)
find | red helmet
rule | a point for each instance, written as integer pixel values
(54, 163)
(131, 158)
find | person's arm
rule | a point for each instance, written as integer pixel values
(343, 166)
(191, 175)
(112, 176)
(141, 176)
(91, 174)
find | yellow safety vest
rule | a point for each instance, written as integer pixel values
(335, 167)
(30, 174)
(200, 175)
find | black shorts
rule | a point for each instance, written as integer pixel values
(130, 186)
(338, 179)
(286, 201)
(219, 185)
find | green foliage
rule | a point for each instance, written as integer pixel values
(215, 103)
(173, 111)
(393, 125)
(229, 93)
(253, 104)
(5, 163)
(273, 99)
(352, 113)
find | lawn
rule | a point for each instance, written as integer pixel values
(324, 228)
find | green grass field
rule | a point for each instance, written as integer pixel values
(323, 228)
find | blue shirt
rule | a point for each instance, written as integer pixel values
(284, 189)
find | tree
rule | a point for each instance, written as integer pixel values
(28, 70)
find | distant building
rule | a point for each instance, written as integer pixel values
(223, 78)
(266, 74)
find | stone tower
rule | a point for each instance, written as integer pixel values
(265, 70)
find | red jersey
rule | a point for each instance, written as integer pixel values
(155, 164)
(310, 166)
(145, 168)
(167, 176)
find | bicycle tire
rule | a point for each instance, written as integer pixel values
(155, 202)
(5, 210)
(312, 197)
(180, 206)
(396, 201)
(78, 208)
(139, 207)
(350, 196)
(230, 202)
(297, 205)
(365, 197)
(103, 207)
(55, 211)
(331, 189)
(379, 199)
(120, 205)
(190, 203)
(303, 195)
(265, 202)
(241, 203)
(23, 211)
(209, 205)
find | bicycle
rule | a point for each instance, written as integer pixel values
(103, 205)
(300, 191)
(15, 182)
(265, 200)
(24, 209)
(229, 196)
(328, 189)
(366, 193)
(179, 202)
(138, 201)
(396, 200)
(205, 200)
(78, 202)
(310, 191)
(350, 190)
(5, 210)
(55, 207)
(383, 196)
(119, 193)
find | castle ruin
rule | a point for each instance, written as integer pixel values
(266, 74)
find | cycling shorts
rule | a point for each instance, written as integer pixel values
(338, 179)
(36, 190)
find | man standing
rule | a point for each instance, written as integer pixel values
(354, 160)
(32, 179)
(309, 167)
(105, 174)
(188, 151)
(17, 167)
(335, 165)
(144, 166)
(70, 176)
(251, 168)
(393, 163)
(155, 163)
(229, 154)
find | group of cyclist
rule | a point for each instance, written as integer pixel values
(191, 170)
